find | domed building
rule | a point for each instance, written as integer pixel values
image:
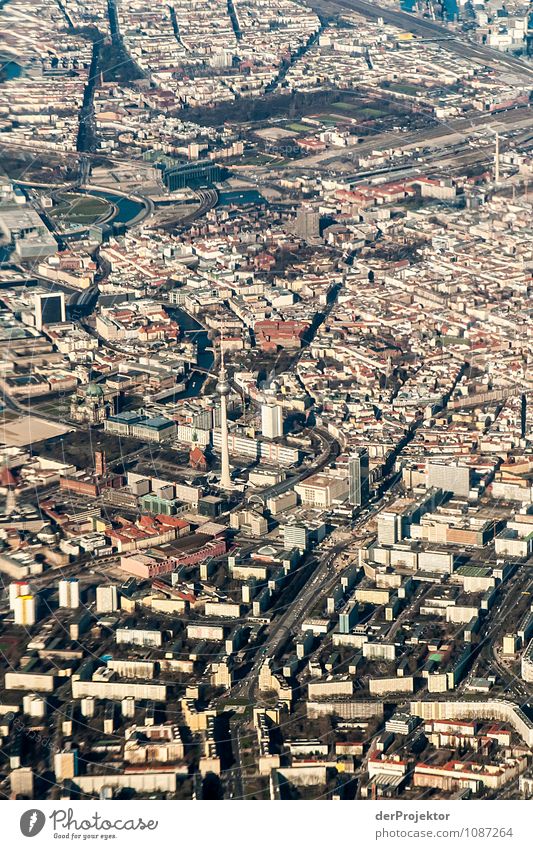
(94, 390)
(91, 405)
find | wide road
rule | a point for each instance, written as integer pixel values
(324, 576)
(287, 622)
(331, 450)
(429, 29)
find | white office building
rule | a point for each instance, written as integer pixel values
(106, 599)
(69, 593)
(271, 420)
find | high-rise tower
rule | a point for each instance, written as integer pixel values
(358, 478)
(224, 389)
(271, 420)
(307, 223)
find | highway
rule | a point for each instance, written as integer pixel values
(233, 778)
(323, 576)
(499, 625)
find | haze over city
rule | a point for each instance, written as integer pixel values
(266, 395)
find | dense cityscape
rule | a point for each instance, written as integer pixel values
(266, 468)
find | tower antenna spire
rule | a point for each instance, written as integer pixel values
(224, 389)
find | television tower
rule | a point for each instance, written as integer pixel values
(224, 389)
(497, 159)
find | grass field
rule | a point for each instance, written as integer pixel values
(329, 121)
(80, 209)
(299, 128)
(254, 159)
(356, 110)
(403, 88)
(55, 408)
(370, 112)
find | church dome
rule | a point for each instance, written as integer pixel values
(94, 391)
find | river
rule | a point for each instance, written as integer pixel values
(127, 209)
(205, 357)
